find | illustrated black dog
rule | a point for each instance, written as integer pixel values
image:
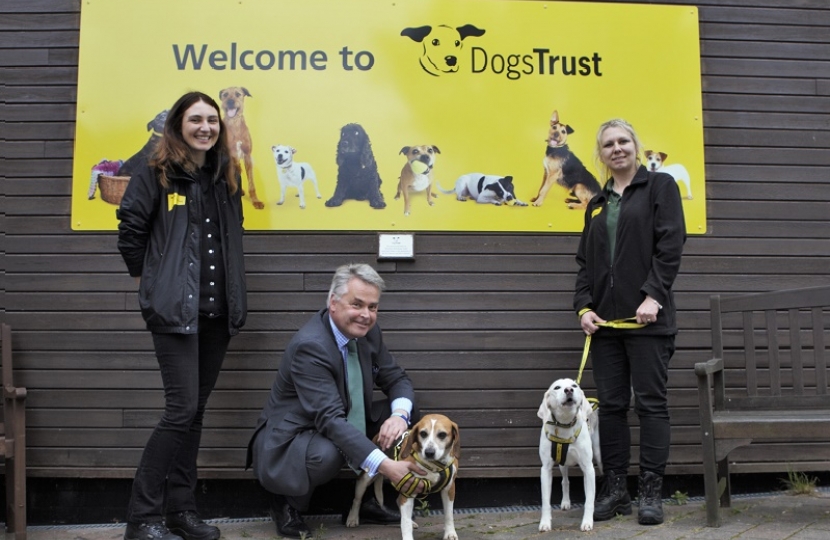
(357, 170)
(156, 126)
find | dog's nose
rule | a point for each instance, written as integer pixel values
(430, 453)
(569, 391)
(450, 60)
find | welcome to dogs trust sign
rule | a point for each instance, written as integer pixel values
(412, 115)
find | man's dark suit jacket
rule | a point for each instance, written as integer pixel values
(310, 396)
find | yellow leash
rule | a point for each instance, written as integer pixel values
(628, 323)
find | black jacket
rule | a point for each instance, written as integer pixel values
(158, 237)
(651, 231)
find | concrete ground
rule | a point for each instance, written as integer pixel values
(770, 516)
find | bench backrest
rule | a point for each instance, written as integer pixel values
(773, 346)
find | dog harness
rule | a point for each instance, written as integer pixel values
(445, 474)
(559, 448)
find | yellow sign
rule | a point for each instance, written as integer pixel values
(413, 115)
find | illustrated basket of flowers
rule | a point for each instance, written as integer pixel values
(112, 187)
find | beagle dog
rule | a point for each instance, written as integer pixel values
(570, 436)
(434, 444)
(416, 174)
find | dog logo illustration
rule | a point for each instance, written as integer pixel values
(442, 45)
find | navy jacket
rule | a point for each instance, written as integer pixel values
(158, 237)
(651, 231)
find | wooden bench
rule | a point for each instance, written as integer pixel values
(767, 381)
(13, 442)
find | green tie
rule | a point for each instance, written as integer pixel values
(357, 414)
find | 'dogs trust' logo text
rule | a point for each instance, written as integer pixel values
(442, 45)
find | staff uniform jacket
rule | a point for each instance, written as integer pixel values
(651, 231)
(159, 238)
(309, 396)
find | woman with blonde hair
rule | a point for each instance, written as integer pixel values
(628, 257)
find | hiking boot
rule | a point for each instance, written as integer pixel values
(651, 499)
(616, 500)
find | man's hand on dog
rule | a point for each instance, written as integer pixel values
(396, 470)
(390, 431)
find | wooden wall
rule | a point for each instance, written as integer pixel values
(482, 322)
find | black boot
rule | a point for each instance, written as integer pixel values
(616, 500)
(651, 499)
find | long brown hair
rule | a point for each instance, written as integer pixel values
(172, 148)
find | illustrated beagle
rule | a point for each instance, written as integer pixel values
(434, 444)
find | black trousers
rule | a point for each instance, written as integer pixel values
(622, 362)
(189, 365)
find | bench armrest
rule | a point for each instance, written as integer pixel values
(702, 369)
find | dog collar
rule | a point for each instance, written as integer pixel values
(558, 424)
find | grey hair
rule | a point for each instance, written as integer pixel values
(345, 273)
(617, 123)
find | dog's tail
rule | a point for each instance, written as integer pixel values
(442, 190)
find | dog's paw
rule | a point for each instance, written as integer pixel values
(519, 203)
(566, 505)
(334, 202)
(352, 521)
(537, 203)
(544, 525)
(450, 535)
(587, 525)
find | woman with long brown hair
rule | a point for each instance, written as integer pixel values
(180, 234)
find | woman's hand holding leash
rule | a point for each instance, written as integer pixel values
(589, 322)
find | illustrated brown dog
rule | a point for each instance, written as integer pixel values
(563, 168)
(232, 101)
(416, 175)
(434, 444)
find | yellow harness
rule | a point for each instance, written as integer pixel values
(559, 448)
(445, 474)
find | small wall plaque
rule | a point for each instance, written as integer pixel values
(396, 246)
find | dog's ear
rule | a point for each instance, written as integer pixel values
(435, 149)
(663, 156)
(469, 30)
(554, 118)
(569, 129)
(273, 148)
(543, 412)
(293, 150)
(404, 150)
(245, 90)
(409, 441)
(417, 34)
(456, 441)
(648, 153)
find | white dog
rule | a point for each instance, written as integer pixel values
(570, 436)
(484, 189)
(675, 170)
(291, 173)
